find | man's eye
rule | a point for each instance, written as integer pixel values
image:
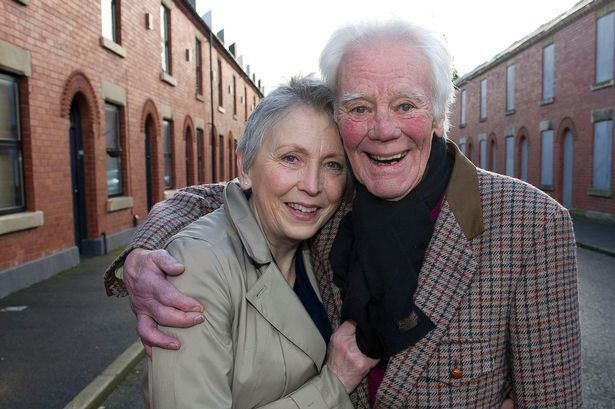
(406, 107)
(361, 109)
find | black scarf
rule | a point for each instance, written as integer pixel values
(377, 255)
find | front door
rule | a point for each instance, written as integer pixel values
(77, 175)
(567, 176)
(148, 162)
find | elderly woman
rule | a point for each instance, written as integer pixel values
(265, 333)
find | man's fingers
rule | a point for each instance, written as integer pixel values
(151, 336)
(167, 263)
(170, 296)
(172, 317)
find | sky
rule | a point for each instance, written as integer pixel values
(280, 39)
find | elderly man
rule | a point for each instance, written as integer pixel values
(462, 281)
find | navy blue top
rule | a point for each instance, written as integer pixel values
(309, 299)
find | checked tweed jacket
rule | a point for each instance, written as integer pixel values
(499, 280)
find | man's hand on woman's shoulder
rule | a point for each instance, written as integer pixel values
(156, 301)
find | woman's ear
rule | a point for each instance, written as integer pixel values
(244, 179)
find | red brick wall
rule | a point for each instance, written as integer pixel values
(572, 109)
(63, 38)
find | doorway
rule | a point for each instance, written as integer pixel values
(149, 138)
(77, 156)
(567, 171)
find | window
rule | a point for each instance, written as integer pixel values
(11, 169)
(113, 141)
(483, 99)
(462, 146)
(603, 140)
(605, 40)
(165, 38)
(234, 95)
(245, 103)
(510, 155)
(199, 66)
(548, 61)
(494, 156)
(482, 145)
(463, 107)
(546, 158)
(220, 85)
(110, 20)
(510, 88)
(200, 159)
(220, 158)
(524, 159)
(167, 152)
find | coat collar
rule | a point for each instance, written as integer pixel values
(271, 295)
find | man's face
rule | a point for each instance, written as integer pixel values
(385, 116)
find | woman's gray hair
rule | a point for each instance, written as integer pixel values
(353, 36)
(300, 91)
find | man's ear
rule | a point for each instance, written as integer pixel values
(438, 126)
(244, 179)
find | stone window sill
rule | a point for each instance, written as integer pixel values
(221, 110)
(599, 192)
(483, 119)
(547, 101)
(169, 193)
(200, 97)
(119, 203)
(113, 47)
(463, 125)
(510, 112)
(602, 85)
(168, 78)
(23, 2)
(20, 221)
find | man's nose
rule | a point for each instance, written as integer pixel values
(385, 127)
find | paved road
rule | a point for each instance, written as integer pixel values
(597, 298)
(89, 331)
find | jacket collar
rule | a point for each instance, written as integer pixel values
(463, 195)
(251, 236)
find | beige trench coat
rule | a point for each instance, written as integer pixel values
(257, 346)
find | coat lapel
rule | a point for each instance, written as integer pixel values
(449, 268)
(276, 301)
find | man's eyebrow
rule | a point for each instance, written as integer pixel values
(350, 96)
(416, 96)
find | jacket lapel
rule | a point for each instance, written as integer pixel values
(449, 268)
(276, 301)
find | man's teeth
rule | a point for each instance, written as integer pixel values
(303, 209)
(388, 159)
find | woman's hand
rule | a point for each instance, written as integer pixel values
(345, 359)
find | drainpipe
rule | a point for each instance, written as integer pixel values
(211, 99)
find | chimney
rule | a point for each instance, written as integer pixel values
(192, 3)
(207, 19)
(240, 61)
(233, 49)
(221, 36)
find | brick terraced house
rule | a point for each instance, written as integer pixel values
(543, 110)
(106, 107)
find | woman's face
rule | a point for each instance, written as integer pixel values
(297, 177)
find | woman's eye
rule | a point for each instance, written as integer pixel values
(290, 159)
(334, 165)
(406, 107)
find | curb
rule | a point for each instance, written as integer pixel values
(596, 248)
(102, 386)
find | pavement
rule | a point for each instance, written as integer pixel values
(65, 344)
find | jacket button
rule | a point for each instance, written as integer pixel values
(456, 373)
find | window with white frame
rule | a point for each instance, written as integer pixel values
(462, 103)
(11, 169)
(510, 155)
(603, 140)
(494, 156)
(167, 152)
(546, 158)
(605, 43)
(198, 61)
(483, 99)
(113, 141)
(110, 24)
(510, 88)
(165, 38)
(548, 67)
(462, 145)
(482, 145)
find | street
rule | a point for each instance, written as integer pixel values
(597, 298)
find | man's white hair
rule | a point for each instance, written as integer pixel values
(355, 35)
